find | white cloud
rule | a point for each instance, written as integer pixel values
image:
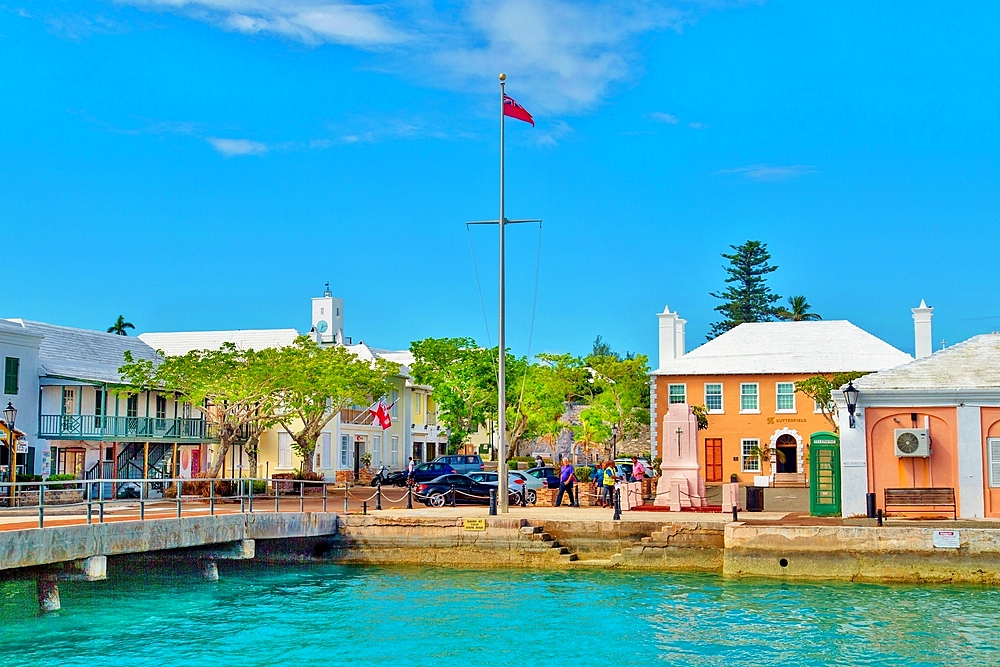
(231, 147)
(560, 55)
(695, 125)
(661, 117)
(764, 172)
(310, 21)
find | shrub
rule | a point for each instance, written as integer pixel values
(366, 459)
(583, 473)
(64, 477)
(259, 486)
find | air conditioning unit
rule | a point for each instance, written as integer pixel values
(911, 442)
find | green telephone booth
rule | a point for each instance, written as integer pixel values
(824, 474)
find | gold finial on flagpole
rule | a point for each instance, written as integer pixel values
(503, 77)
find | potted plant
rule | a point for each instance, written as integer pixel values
(760, 454)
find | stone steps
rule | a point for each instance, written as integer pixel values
(547, 543)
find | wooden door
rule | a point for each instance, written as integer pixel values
(713, 459)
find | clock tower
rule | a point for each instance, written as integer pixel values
(328, 317)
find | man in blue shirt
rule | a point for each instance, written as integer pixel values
(567, 477)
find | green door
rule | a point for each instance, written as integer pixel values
(824, 474)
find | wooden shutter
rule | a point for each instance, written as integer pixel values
(994, 446)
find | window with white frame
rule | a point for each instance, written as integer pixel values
(750, 462)
(786, 397)
(376, 451)
(394, 452)
(713, 397)
(749, 397)
(345, 451)
(284, 450)
(394, 405)
(993, 444)
(818, 407)
(676, 393)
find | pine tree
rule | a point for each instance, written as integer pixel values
(748, 299)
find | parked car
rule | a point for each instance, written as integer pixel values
(516, 481)
(462, 463)
(548, 475)
(424, 472)
(625, 466)
(437, 492)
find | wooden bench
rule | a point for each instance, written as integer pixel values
(929, 497)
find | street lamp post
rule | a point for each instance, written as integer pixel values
(851, 398)
(614, 441)
(9, 415)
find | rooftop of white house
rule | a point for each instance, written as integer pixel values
(176, 343)
(825, 346)
(181, 342)
(82, 354)
(972, 364)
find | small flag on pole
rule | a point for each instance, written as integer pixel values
(515, 110)
(381, 412)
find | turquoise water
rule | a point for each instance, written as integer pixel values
(342, 615)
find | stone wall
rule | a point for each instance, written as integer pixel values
(861, 553)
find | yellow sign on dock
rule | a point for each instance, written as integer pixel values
(475, 524)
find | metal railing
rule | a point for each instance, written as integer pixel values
(99, 427)
(129, 499)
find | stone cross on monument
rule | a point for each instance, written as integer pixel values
(681, 483)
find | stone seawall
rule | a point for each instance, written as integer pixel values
(857, 553)
(383, 540)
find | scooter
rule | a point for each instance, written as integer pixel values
(378, 478)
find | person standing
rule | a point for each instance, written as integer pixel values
(599, 484)
(538, 461)
(567, 475)
(638, 470)
(609, 484)
(409, 472)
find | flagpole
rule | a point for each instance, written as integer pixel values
(501, 337)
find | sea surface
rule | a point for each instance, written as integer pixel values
(320, 615)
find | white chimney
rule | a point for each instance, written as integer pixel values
(922, 329)
(679, 349)
(671, 331)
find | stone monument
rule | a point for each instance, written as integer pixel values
(680, 484)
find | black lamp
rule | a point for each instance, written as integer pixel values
(9, 414)
(614, 441)
(851, 396)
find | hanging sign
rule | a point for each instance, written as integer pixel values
(946, 539)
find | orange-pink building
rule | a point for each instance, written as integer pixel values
(934, 422)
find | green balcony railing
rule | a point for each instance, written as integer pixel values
(97, 427)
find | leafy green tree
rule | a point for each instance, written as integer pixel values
(120, 326)
(820, 388)
(314, 383)
(232, 386)
(798, 312)
(464, 380)
(541, 392)
(748, 298)
(620, 392)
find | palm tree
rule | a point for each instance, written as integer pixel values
(799, 311)
(120, 326)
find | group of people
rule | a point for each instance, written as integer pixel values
(605, 476)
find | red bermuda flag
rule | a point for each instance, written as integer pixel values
(381, 413)
(515, 110)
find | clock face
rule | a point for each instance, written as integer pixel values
(321, 326)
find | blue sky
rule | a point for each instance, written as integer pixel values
(211, 164)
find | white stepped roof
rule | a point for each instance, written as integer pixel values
(82, 354)
(176, 343)
(972, 364)
(824, 346)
